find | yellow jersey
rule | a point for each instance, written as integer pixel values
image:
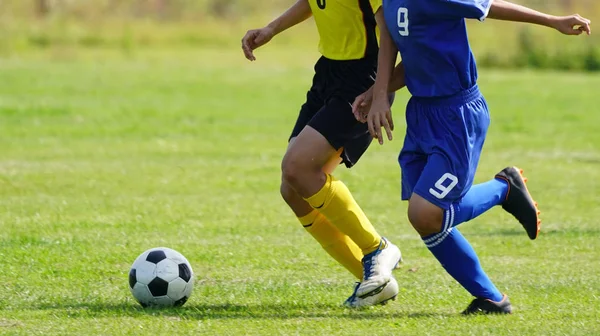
(347, 28)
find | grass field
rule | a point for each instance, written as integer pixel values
(102, 157)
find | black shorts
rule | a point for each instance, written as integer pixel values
(328, 106)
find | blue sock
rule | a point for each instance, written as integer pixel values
(459, 259)
(479, 199)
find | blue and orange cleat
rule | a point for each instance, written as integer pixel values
(519, 202)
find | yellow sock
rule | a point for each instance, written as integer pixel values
(339, 246)
(336, 203)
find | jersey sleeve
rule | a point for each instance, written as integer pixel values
(375, 5)
(468, 9)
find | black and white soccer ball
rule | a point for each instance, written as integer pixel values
(161, 277)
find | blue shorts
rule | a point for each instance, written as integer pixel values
(444, 139)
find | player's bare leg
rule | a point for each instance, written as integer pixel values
(298, 205)
(302, 169)
(302, 165)
(338, 245)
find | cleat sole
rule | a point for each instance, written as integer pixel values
(538, 212)
(384, 302)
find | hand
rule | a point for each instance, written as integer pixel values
(572, 25)
(362, 104)
(380, 116)
(255, 38)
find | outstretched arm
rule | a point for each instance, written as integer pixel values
(255, 38)
(569, 25)
(299, 12)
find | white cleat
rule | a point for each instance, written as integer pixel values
(377, 269)
(388, 292)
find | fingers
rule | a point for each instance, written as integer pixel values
(581, 25)
(585, 28)
(377, 123)
(387, 127)
(361, 107)
(356, 114)
(358, 102)
(247, 43)
(379, 116)
(371, 125)
(360, 115)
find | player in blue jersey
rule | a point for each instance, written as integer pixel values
(447, 121)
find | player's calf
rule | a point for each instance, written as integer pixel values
(451, 248)
(519, 202)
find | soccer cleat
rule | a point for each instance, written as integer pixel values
(377, 268)
(350, 300)
(519, 202)
(485, 306)
(388, 292)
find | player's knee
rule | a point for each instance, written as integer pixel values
(424, 223)
(290, 170)
(426, 218)
(295, 169)
(287, 192)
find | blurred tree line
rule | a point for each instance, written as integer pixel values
(133, 24)
(180, 9)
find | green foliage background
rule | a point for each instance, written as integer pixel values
(131, 25)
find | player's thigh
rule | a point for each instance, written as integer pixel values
(333, 162)
(443, 180)
(310, 151)
(412, 161)
(314, 98)
(453, 154)
(337, 124)
(308, 110)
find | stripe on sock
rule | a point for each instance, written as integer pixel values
(438, 238)
(439, 234)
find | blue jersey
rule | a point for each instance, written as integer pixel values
(431, 36)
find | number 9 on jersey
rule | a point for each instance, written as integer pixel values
(403, 21)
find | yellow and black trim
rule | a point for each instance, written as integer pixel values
(371, 48)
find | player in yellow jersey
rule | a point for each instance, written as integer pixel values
(327, 134)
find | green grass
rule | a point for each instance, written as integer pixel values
(103, 157)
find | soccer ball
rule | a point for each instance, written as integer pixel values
(161, 277)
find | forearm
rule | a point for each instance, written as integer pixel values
(299, 12)
(385, 62)
(504, 10)
(397, 81)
